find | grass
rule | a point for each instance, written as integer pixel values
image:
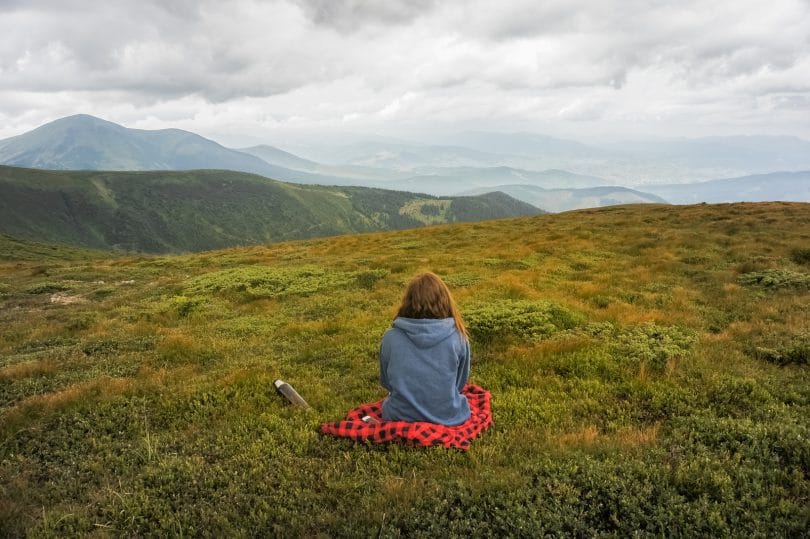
(645, 380)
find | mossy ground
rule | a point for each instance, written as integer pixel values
(643, 380)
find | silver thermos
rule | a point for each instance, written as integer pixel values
(290, 394)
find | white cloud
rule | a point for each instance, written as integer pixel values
(263, 68)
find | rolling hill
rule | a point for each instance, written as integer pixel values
(207, 209)
(276, 156)
(557, 200)
(453, 181)
(649, 367)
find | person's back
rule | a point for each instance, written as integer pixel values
(425, 357)
(424, 364)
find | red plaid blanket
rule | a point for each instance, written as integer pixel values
(416, 432)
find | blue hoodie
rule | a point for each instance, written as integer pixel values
(424, 364)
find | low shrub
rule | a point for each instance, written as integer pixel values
(183, 306)
(800, 256)
(460, 280)
(520, 319)
(253, 282)
(794, 350)
(45, 288)
(737, 397)
(367, 278)
(648, 344)
(776, 278)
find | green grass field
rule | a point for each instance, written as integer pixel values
(648, 366)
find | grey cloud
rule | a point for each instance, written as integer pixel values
(527, 19)
(330, 60)
(155, 50)
(797, 102)
(350, 15)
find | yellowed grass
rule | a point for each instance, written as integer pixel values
(637, 436)
(28, 368)
(589, 435)
(100, 387)
(585, 436)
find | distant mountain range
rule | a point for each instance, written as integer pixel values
(785, 186)
(84, 142)
(550, 169)
(744, 154)
(176, 211)
(629, 163)
(558, 200)
(460, 180)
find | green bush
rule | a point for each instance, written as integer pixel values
(520, 319)
(648, 344)
(183, 306)
(368, 278)
(45, 288)
(460, 280)
(795, 350)
(800, 256)
(737, 397)
(253, 282)
(776, 278)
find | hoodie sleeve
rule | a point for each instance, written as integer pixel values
(385, 351)
(463, 365)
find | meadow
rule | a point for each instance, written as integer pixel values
(648, 366)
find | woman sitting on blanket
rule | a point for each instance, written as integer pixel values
(425, 357)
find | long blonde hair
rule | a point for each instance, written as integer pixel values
(428, 297)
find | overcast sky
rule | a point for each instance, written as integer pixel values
(260, 71)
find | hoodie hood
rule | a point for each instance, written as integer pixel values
(426, 332)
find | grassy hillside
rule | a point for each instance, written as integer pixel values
(172, 211)
(16, 249)
(648, 365)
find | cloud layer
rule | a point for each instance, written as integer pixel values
(265, 68)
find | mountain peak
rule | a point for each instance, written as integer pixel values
(85, 142)
(81, 119)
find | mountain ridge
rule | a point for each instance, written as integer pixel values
(792, 186)
(84, 142)
(180, 211)
(558, 200)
